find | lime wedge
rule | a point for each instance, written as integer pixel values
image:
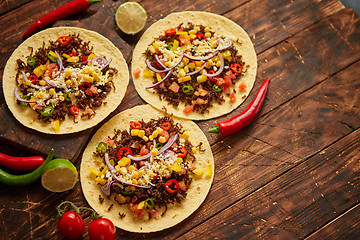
(130, 17)
(59, 175)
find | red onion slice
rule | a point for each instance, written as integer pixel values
(162, 80)
(112, 171)
(145, 157)
(168, 144)
(106, 64)
(196, 71)
(106, 188)
(59, 61)
(205, 58)
(160, 62)
(22, 100)
(32, 85)
(229, 43)
(155, 69)
(181, 58)
(221, 68)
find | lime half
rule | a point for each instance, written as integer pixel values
(59, 175)
(130, 17)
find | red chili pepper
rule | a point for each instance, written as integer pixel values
(243, 119)
(64, 40)
(236, 68)
(166, 126)
(21, 163)
(135, 125)
(181, 151)
(62, 12)
(74, 110)
(213, 79)
(84, 58)
(85, 85)
(72, 54)
(172, 186)
(170, 31)
(33, 78)
(200, 36)
(124, 151)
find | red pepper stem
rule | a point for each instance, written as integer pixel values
(93, 1)
(215, 129)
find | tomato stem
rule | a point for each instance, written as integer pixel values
(94, 214)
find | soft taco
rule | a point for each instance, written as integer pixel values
(64, 80)
(198, 65)
(146, 170)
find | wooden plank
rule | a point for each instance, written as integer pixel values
(295, 204)
(344, 227)
(8, 5)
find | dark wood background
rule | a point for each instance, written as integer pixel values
(292, 174)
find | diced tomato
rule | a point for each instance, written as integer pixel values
(92, 90)
(230, 74)
(132, 207)
(184, 41)
(199, 101)
(220, 81)
(182, 185)
(155, 214)
(188, 109)
(203, 92)
(72, 98)
(242, 86)
(72, 54)
(165, 134)
(109, 142)
(170, 31)
(51, 68)
(232, 97)
(144, 150)
(88, 111)
(137, 72)
(174, 87)
(174, 145)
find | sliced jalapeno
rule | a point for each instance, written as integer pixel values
(101, 148)
(217, 88)
(51, 57)
(25, 97)
(47, 111)
(31, 61)
(188, 90)
(158, 146)
(149, 204)
(67, 95)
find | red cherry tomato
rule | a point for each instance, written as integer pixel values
(102, 229)
(71, 225)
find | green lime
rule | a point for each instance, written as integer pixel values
(59, 175)
(131, 17)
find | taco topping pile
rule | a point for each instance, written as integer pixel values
(194, 65)
(65, 78)
(148, 167)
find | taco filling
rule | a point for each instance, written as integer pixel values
(148, 167)
(64, 79)
(194, 65)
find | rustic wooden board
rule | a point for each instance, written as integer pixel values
(70, 145)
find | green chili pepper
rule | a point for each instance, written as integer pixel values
(67, 97)
(25, 97)
(159, 145)
(170, 45)
(128, 191)
(217, 88)
(188, 90)
(22, 180)
(31, 61)
(47, 111)
(51, 58)
(101, 148)
(149, 204)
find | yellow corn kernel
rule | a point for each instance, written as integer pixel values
(209, 171)
(179, 160)
(68, 82)
(186, 69)
(145, 138)
(184, 79)
(94, 172)
(175, 167)
(73, 59)
(208, 34)
(135, 132)
(135, 175)
(167, 63)
(103, 172)
(131, 168)
(198, 63)
(201, 78)
(52, 91)
(155, 45)
(182, 73)
(40, 95)
(197, 28)
(62, 98)
(191, 65)
(207, 29)
(193, 31)
(226, 54)
(124, 161)
(194, 150)
(123, 170)
(151, 137)
(56, 126)
(134, 181)
(68, 72)
(192, 36)
(162, 139)
(42, 83)
(141, 133)
(38, 71)
(185, 60)
(182, 33)
(91, 56)
(117, 168)
(185, 135)
(100, 180)
(218, 63)
(95, 75)
(152, 49)
(154, 134)
(140, 173)
(27, 82)
(158, 77)
(148, 73)
(155, 152)
(209, 63)
(159, 130)
(151, 174)
(175, 45)
(198, 171)
(141, 205)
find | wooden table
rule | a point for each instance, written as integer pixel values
(292, 174)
